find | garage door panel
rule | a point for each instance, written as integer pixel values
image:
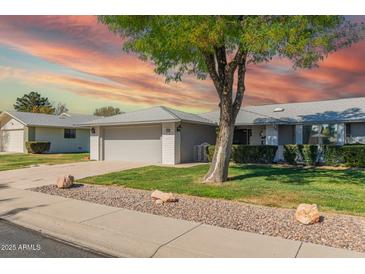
(12, 140)
(134, 144)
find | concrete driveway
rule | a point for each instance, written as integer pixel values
(48, 174)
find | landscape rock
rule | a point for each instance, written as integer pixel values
(163, 196)
(65, 182)
(158, 202)
(307, 214)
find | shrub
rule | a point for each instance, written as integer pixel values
(332, 155)
(291, 153)
(354, 155)
(249, 154)
(38, 146)
(210, 152)
(309, 154)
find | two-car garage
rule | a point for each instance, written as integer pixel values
(133, 143)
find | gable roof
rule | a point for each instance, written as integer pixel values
(152, 115)
(49, 120)
(339, 110)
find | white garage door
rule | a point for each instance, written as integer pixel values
(133, 144)
(12, 140)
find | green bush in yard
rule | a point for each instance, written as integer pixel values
(309, 154)
(354, 155)
(249, 154)
(210, 152)
(38, 147)
(333, 155)
(291, 153)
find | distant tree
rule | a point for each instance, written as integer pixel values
(60, 108)
(34, 102)
(107, 111)
(43, 109)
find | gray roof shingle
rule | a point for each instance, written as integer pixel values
(150, 115)
(340, 110)
(48, 120)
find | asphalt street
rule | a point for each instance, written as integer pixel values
(18, 242)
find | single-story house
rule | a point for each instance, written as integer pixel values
(62, 131)
(168, 136)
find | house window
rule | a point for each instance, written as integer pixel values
(69, 133)
(321, 134)
(242, 136)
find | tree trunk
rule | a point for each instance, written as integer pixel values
(223, 80)
(218, 172)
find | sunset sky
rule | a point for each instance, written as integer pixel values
(77, 61)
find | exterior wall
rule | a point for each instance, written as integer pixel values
(341, 134)
(271, 135)
(256, 138)
(299, 134)
(286, 134)
(61, 145)
(170, 140)
(194, 134)
(95, 145)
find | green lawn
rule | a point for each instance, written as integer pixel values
(333, 190)
(20, 160)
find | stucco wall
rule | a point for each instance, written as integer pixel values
(169, 144)
(271, 135)
(59, 144)
(194, 134)
(95, 145)
(256, 138)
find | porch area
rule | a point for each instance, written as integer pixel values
(280, 135)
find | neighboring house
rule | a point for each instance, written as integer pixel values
(62, 131)
(167, 136)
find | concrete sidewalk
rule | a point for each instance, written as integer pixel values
(125, 233)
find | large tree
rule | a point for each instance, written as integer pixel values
(107, 111)
(34, 102)
(222, 47)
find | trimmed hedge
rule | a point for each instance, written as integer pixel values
(249, 154)
(333, 155)
(354, 155)
(291, 153)
(38, 147)
(296, 154)
(309, 154)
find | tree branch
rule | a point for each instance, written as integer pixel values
(220, 53)
(240, 85)
(236, 59)
(217, 81)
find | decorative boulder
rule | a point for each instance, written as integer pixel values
(307, 214)
(163, 196)
(65, 182)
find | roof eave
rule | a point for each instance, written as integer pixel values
(14, 117)
(130, 123)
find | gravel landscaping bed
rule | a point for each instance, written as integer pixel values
(334, 230)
